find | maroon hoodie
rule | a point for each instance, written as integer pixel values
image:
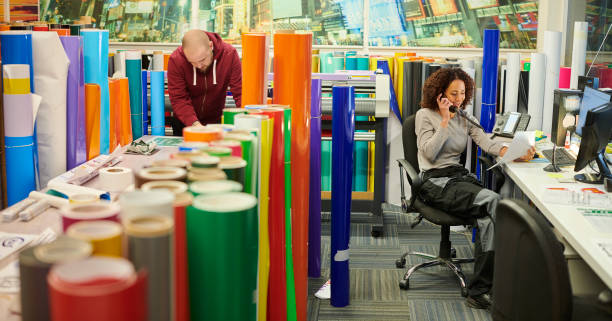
(201, 97)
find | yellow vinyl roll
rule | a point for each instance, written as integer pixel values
(315, 62)
(83, 198)
(400, 81)
(104, 236)
(264, 241)
(19, 86)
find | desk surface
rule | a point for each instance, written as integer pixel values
(577, 230)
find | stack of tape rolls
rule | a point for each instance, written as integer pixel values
(234, 168)
(116, 179)
(201, 134)
(83, 199)
(205, 162)
(34, 266)
(180, 163)
(214, 187)
(181, 282)
(174, 187)
(160, 174)
(78, 212)
(188, 146)
(187, 155)
(146, 203)
(205, 174)
(97, 289)
(235, 146)
(219, 151)
(104, 236)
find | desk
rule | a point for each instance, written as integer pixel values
(577, 231)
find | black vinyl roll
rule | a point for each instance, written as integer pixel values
(34, 293)
(424, 69)
(417, 88)
(523, 94)
(408, 85)
(111, 66)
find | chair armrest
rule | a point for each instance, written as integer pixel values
(499, 175)
(413, 179)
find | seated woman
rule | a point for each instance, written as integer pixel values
(441, 139)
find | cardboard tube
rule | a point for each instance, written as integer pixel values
(255, 68)
(92, 119)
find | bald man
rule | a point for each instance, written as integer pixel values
(200, 72)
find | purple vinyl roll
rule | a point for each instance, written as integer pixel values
(76, 149)
(314, 217)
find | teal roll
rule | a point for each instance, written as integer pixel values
(326, 152)
(326, 62)
(338, 63)
(133, 65)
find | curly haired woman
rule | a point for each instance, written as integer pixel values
(441, 139)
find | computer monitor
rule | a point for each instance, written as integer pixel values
(590, 99)
(596, 133)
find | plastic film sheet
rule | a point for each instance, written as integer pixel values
(158, 123)
(314, 216)
(255, 68)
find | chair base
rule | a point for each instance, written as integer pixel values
(452, 263)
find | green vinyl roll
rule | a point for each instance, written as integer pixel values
(248, 154)
(291, 303)
(360, 178)
(326, 62)
(326, 149)
(222, 236)
(229, 113)
(338, 63)
(235, 168)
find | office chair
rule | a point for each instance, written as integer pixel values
(446, 255)
(531, 279)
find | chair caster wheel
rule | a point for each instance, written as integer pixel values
(403, 284)
(400, 263)
(453, 253)
(464, 292)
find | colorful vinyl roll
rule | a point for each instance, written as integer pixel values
(146, 203)
(145, 104)
(213, 224)
(114, 110)
(95, 51)
(159, 174)
(326, 149)
(247, 142)
(314, 215)
(489, 78)
(537, 78)
(124, 121)
(230, 113)
(34, 266)
(565, 74)
(18, 114)
(234, 146)
(104, 236)
(76, 212)
(115, 179)
(188, 155)
(192, 146)
(158, 127)
(17, 49)
(579, 48)
(201, 134)
(42, 27)
(61, 32)
(95, 284)
(76, 144)
(343, 113)
(205, 161)
(133, 65)
(181, 279)
(175, 187)
(219, 151)
(214, 187)
(205, 174)
(92, 120)
(149, 247)
(234, 167)
(552, 51)
(255, 69)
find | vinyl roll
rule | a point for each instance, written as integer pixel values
(66, 190)
(125, 121)
(230, 113)
(158, 122)
(180, 278)
(314, 208)
(565, 74)
(326, 62)
(149, 247)
(145, 103)
(95, 51)
(187, 155)
(78, 212)
(213, 224)
(385, 67)
(579, 47)
(219, 151)
(316, 62)
(41, 28)
(234, 167)
(115, 179)
(201, 134)
(104, 236)
(234, 146)
(205, 162)
(513, 74)
(146, 203)
(214, 187)
(255, 69)
(537, 77)
(192, 146)
(83, 199)
(114, 110)
(34, 266)
(326, 148)
(133, 65)
(158, 61)
(180, 163)
(17, 49)
(76, 143)
(205, 174)
(489, 78)
(92, 120)
(120, 68)
(552, 51)
(111, 64)
(93, 285)
(18, 115)
(249, 154)
(61, 32)
(292, 79)
(159, 174)
(175, 187)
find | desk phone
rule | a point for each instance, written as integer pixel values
(509, 123)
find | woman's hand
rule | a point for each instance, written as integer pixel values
(443, 105)
(525, 158)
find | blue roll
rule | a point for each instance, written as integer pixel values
(489, 78)
(20, 174)
(16, 49)
(145, 103)
(343, 129)
(384, 65)
(351, 63)
(95, 54)
(157, 103)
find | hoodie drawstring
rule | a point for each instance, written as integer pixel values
(194, 75)
(215, 72)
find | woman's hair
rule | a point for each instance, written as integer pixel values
(439, 81)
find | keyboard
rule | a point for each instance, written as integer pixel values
(562, 157)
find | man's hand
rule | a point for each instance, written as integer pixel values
(197, 123)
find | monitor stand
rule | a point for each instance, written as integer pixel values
(589, 178)
(604, 171)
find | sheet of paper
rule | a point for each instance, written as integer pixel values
(520, 145)
(9, 278)
(600, 219)
(605, 245)
(11, 243)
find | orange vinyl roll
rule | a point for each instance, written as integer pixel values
(92, 120)
(166, 59)
(202, 134)
(254, 68)
(62, 32)
(292, 82)
(113, 92)
(124, 119)
(5, 27)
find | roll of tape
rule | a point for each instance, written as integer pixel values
(180, 163)
(160, 174)
(234, 145)
(201, 134)
(205, 162)
(234, 168)
(205, 174)
(146, 203)
(173, 186)
(189, 146)
(104, 236)
(75, 213)
(116, 179)
(214, 187)
(83, 199)
(188, 155)
(219, 151)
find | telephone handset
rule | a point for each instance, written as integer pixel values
(509, 123)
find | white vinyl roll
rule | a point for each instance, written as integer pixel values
(579, 52)
(71, 189)
(513, 74)
(133, 55)
(467, 63)
(55, 201)
(158, 61)
(146, 203)
(50, 79)
(119, 61)
(469, 108)
(552, 50)
(116, 179)
(537, 76)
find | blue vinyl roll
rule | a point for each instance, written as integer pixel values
(351, 63)
(145, 103)
(384, 65)
(21, 178)
(489, 78)
(17, 49)
(95, 54)
(157, 103)
(343, 129)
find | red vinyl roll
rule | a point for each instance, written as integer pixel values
(277, 294)
(41, 28)
(97, 289)
(181, 276)
(292, 82)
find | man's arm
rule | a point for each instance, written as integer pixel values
(179, 95)
(236, 79)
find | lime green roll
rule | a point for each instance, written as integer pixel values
(205, 161)
(229, 113)
(248, 154)
(222, 238)
(218, 151)
(214, 187)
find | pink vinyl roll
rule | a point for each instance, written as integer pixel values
(74, 213)
(235, 146)
(565, 74)
(605, 78)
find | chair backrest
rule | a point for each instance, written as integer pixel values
(531, 280)
(409, 140)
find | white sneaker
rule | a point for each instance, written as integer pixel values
(324, 292)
